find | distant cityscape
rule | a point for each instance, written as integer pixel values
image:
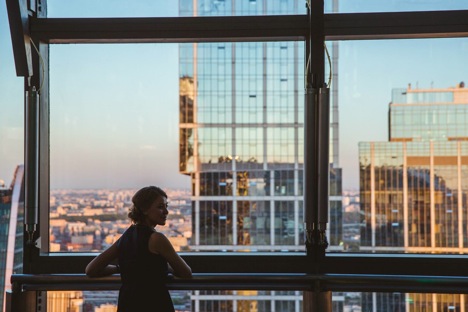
(92, 219)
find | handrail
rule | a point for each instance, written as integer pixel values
(249, 281)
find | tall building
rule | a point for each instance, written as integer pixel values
(414, 188)
(241, 142)
(11, 227)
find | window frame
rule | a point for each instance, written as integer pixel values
(350, 26)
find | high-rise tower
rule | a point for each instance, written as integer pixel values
(242, 137)
(414, 187)
(11, 222)
(242, 143)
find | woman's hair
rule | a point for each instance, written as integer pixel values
(142, 200)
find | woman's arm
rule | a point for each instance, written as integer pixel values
(100, 266)
(158, 243)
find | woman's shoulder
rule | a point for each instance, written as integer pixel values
(158, 236)
(158, 242)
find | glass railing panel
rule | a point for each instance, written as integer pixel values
(183, 301)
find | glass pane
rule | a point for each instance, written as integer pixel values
(402, 145)
(149, 8)
(12, 105)
(242, 142)
(114, 129)
(231, 167)
(357, 6)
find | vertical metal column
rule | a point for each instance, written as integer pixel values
(18, 300)
(31, 163)
(316, 158)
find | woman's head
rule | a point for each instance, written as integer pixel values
(144, 201)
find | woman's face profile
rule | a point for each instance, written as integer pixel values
(157, 212)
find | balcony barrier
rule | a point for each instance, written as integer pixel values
(26, 286)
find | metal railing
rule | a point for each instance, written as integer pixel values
(252, 281)
(26, 287)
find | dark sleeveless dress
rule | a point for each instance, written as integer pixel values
(143, 274)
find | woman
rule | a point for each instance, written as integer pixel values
(143, 256)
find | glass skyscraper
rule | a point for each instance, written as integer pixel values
(11, 227)
(242, 137)
(414, 188)
(242, 141)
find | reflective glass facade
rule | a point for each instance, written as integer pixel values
(241, 114)
(11, 231)
(413, 189)
(429, 114)
(242, 141)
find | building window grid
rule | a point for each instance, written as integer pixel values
(419, 206)
(446, 211)
(249, 145)
(216, 221)
(213, 83)
(214, 145)
(419, 199)
(439, 123)
(284, 223)
(389, 230)
(249, 77)
(280, 145)
(253, 223)
(216, 183)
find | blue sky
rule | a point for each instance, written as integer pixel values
(143, 149)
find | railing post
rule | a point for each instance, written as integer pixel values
(17, 300)
(317, 301)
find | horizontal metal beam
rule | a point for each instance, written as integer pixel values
(169, 29)
(349, 26)
(401, 25)
(231, 281)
